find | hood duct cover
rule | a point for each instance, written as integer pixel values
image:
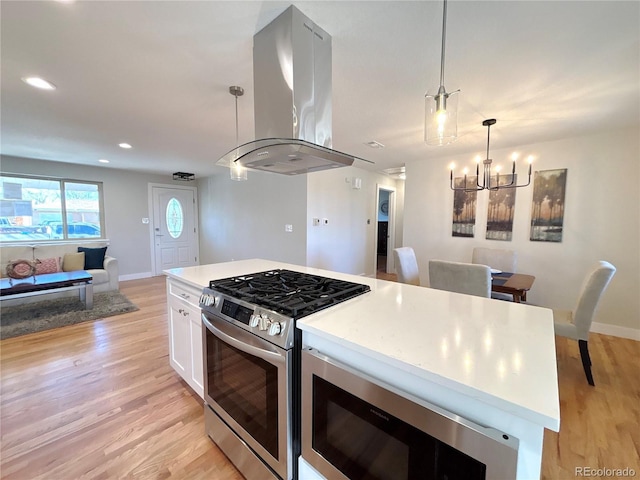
(292, 100)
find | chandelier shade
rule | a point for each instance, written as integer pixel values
(441, 118)
(441, 108)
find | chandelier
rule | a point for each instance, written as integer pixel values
(487, 182)
(236, 171)
(441, 109)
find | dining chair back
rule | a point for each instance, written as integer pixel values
(406, 265)
(576, 323)
(497, 258)
(460, 277)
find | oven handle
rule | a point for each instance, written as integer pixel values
(269, 353)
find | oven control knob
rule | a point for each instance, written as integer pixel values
(275, 328)
(253, 321)
(208, 300)
(264, 322)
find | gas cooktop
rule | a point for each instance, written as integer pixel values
(290, 293)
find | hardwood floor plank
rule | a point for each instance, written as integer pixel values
(99, 400)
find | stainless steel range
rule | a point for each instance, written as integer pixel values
(252, 364)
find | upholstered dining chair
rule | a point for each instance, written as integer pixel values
(406, 265)
(499, 259)
(576, 323)
(460, 277)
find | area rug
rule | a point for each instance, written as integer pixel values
(35, 317)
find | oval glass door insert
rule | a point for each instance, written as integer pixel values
(175, 218)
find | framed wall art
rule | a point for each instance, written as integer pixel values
(464, 209)
(547, 208)
(500, 211)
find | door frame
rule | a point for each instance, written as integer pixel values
(196, 223)
(391, 231)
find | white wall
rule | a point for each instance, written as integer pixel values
(601, 222)
(347, 243)
(240, 220)
(125, 204)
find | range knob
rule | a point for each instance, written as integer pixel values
(208, 300)
(264, 322)
(254, 320)
(275, 328)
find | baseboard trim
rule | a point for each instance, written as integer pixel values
(135, 276)
(616, 331)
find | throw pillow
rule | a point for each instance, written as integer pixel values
(73, 262)
(21, 268)
(93, 257)
(48, 265)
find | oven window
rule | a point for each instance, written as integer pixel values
(246, 387)
(366, 443)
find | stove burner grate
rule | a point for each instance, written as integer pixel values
(294, 294)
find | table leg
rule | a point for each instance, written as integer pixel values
(516, 297)
(86, 296)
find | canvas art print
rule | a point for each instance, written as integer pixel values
(464, 209)
(547, 209)
(500, 210)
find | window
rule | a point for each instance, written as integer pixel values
(175, 218)
(45, 209)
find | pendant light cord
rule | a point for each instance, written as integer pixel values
(488, 133)
(444, 34)
(236, 120)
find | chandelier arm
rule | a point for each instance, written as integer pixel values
(464, 189)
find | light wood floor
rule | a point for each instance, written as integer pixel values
(99, 401)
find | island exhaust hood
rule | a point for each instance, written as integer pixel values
(292, 100)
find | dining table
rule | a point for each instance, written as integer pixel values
(515, 284)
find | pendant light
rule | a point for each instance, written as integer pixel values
(487, 183)
(441, 109)
(236, 171)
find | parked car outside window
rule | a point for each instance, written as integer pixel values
(75, 230)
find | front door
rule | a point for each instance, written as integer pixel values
(175, 237)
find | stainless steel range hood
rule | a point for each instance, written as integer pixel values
(292, 100)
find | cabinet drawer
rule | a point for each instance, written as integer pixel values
(185, 292)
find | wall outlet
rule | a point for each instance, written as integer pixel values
(316, 222)
(288, 228)
(145, 221)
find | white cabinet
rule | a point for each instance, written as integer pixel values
(185, 333)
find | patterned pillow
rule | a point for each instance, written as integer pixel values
(20, 268)
(48, 265)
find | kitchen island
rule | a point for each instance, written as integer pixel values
(488, 361)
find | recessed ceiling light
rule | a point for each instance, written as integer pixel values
(103, 160)
(124, 145)
(374, 144)
(39, 83)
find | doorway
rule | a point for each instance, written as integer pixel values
(385, 229)
(174, 235)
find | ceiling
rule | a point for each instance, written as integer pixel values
(156, 74)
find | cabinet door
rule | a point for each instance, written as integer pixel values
(179, 338)
(197, 366)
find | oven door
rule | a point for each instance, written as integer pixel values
(354, 427)
(247, 383)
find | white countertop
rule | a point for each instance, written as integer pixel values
(500, 353)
